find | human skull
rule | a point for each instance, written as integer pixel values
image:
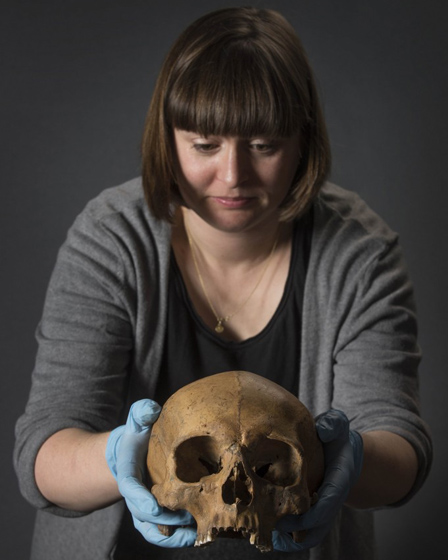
(238, 452)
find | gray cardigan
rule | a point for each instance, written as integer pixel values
(102, 332)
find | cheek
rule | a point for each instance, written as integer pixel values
(279, 180)
(193, 185)
(194, 176)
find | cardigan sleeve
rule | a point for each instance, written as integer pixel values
(376, 355)
(85, 341)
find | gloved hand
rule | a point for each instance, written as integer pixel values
(343, 453)
(126, 452)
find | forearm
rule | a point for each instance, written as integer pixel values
(389, 471)
(71, 471)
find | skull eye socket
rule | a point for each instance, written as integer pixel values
(197, 457)
(262, 470)
(277, 462)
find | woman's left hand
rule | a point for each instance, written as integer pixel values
(343, 452)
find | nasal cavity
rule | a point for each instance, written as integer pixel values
(236, 488)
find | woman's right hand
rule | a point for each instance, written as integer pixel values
(126, 451)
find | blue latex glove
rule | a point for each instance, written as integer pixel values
(343, 453)
(126, 452)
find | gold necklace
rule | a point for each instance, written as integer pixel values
(221, 320)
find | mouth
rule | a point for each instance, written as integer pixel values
(234, 201)
(213, 533)
(233, 533)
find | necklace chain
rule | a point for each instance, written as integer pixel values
(219, 328)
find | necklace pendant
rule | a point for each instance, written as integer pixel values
(219, 328)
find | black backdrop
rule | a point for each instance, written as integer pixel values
(75, 80)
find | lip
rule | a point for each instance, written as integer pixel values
(234, 201)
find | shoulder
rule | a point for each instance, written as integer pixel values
(114, 246)
(118, 198)
(344, 221)
(116, 232)
(122, 211)
(340, 209)
(126, 201)
(348, 236)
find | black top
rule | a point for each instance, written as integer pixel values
(193, 350)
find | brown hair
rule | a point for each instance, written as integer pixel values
(242, 72)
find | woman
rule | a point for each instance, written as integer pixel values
(231, 252)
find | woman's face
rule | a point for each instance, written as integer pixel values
(234, 183)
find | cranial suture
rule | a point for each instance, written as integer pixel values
(238, 452)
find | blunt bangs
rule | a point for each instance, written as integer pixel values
(232, 91)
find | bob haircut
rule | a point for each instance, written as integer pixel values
(235, 72)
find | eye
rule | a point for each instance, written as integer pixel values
(197, 457)
(212, 468)
(204, 148)
(263, 470)
(277, 462)
(264, 147)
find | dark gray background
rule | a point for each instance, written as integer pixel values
(75, 81)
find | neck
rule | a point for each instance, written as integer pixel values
(212, 260)
(233, 248)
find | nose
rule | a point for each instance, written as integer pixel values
(236, 488)
(233, 167)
